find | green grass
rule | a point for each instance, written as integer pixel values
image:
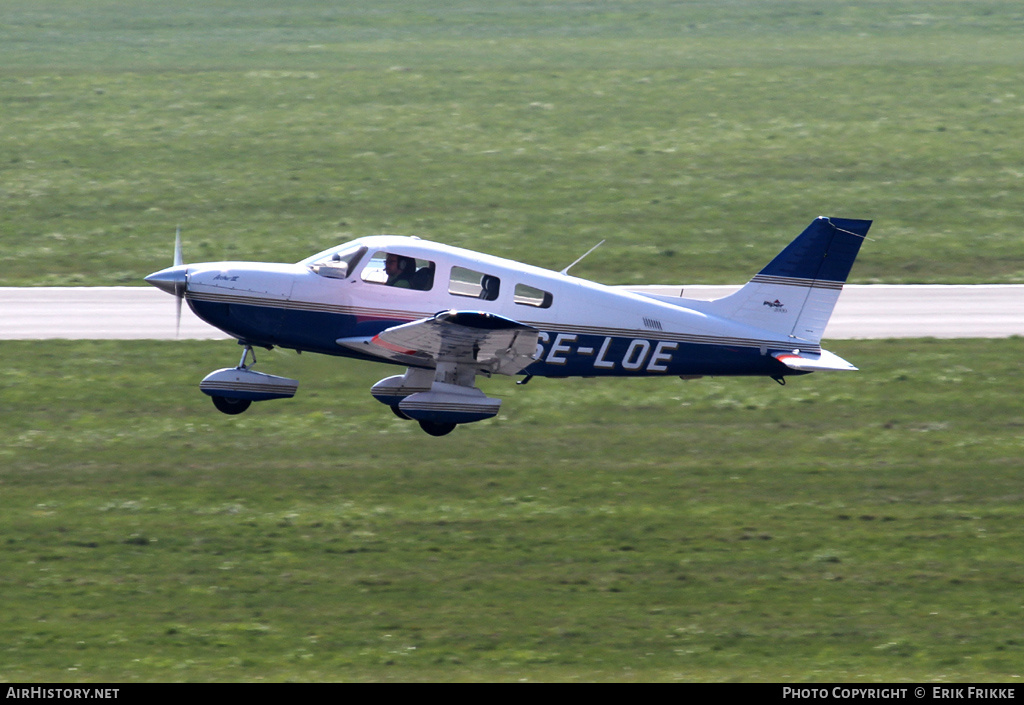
(845, 527)
(698, 138)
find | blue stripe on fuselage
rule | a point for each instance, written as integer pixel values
(312, 331)
(558, 354)
(579, 355)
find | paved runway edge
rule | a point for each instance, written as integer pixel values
(863, 312)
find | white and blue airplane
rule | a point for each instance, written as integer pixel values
(449, 314)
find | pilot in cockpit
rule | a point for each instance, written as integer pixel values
(399, 270)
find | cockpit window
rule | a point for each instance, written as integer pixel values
(398, 270)
(336, 263)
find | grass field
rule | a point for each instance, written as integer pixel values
(696, 137)
(846, 527)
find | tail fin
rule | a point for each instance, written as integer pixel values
(795, 294)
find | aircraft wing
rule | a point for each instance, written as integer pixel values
(484, 340)
(366, 346)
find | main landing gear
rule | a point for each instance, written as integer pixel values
(438, 399)
(434, 428)
(437, 428)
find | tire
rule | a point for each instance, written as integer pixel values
(435, 428)
(231, 406)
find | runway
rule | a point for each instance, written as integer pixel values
(145, 313)
(96, 313)
(922, 311)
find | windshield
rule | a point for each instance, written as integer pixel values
(336, 262)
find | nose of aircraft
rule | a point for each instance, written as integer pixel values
(173, 280)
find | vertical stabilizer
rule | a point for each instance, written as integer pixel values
(794, 295)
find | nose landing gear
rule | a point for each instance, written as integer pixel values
(227, 405)
(234, 389)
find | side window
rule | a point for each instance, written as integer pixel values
(466, 282)
(528, 296)
(401, 271)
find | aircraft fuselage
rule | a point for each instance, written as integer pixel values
(586, 329)
(449, 315)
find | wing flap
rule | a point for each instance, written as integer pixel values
(485, 340)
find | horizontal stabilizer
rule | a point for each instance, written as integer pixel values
(813, 362)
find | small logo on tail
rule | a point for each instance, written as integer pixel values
(775, 305)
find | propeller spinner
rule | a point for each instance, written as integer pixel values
(174, 279)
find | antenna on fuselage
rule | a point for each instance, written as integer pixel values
(566, 270)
